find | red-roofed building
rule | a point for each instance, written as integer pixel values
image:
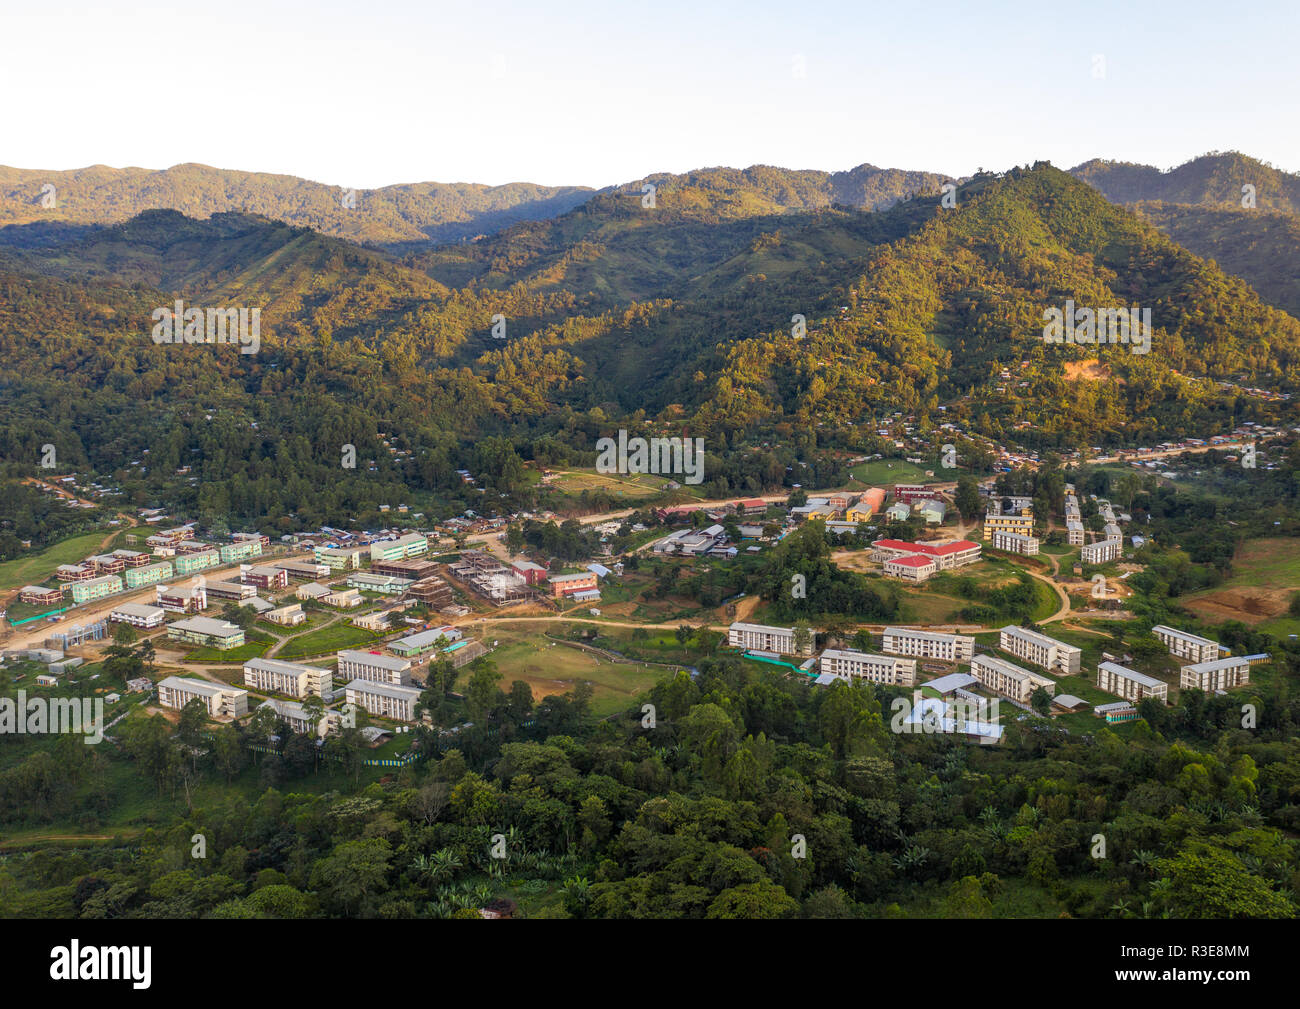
(750, 506)
(952, 554)
(911, 567)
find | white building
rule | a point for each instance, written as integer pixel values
(287, 678)
(1040, 650)
(384, 699)
(1182, 645)
(1217, 674)
(1129, 683)
(887, 669)
(138, 615)
(929, 644)
(1009, 680)
(1074, 532)
(1015, 543)
(298, 719)
(761, 638)
(220, 700)
(378, 668)
(1101, 552)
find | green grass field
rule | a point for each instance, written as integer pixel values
(324, 640)
(36, 568)
(890, 471)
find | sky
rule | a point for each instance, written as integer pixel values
(563, 93)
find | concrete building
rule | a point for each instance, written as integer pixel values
(1015, 543)
(74, 572)
(96, 588)
(188, 564)
(303, 570)
(928, 644)
(434, 592)
(1129, 683)
(1074, 532)
(425, 641)
(298, 718)
(1010, 680)
(386, 700)
(1101, 552)
(911, 567)
(205, 631)
(138, 615)
(175, 599)
(567, 585)
(106, 564)
(1022, 524)
(1216, 674)
(236, 591)
(39, 595)
(946, 555)
(339, 558)
(287, 678)
(132, 558)
(150, 574)
(410, 545)
(848, 664)
(233, 553)
(533, 574)
(354, 665)
(387, 585)
(343, 599)
(287, 616)
(762, 638)
(1182, 645)
(219, 699)
(408, 570)
(1040, 650)
(264, 576)
(312, 590)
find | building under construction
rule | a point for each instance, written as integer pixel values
(432, 590)
(414, 569)
(488, 577)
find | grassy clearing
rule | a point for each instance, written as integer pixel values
(35, 569)
(891, 471)
(326, 639)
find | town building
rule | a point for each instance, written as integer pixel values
(364, 581)
(848, 664)
(1116, 712)
(1040, 650)
(1074, 532)
(434, 592)
(1129, 683)
(219, 699)
(175, 599)
(899, 511)
(410, 545)
(343, 599)
(868, 503)
(911, 493)
(132, 558)
(376, 621)
(928, 644)
(287, 616)
(489, 578)
(188, 564)
(1022, 524)
(339, 558)
(303, 570)
(910, 567)
(387, 700)
(96, 588)
(106, 564)
(74, 572)
(762, 638)
(933, 512)
(1015, 543)
(533, 574)
(410, 570)
(150, 574)
(242, 550)
(39, 595)
(312, 590)
(231, 590)
(191, 547)
(356, 665)
(208, 632)
(1216, 674)
(264, 576)
(138, 615)
(299, 719)
(946, 556)
(567, 585)
(1010, 680)
(287, 678)
(1101, 552)
(1183, 645)
(425, 641)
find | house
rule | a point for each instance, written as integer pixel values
(139, 684)
(1040, 650)
(343, 599)
(287, 678)
(219, 699)
(138, 615)
(763, 638)
(928, 644)
(373, 666)
(1183, 645)
(932, 511)
(899, 511)
(387, 700)
(287, 616)
(205, 631)
(1129, 683)
(847, 664)
(1008, 679)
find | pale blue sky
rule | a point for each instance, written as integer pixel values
(597, 93)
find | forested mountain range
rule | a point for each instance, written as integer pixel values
(616, 315)
(1200, 206)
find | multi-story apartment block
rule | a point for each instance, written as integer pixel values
(188, 564)
(206, 631)
(567, 585)
(946, 556)
(928, 644)
(106, 564)
(1129, 683)
(354, 665)
(1040, 650)
(175, 599)
(150, 574)
(1101, 552)
(1182, 645)
(1022, 524)
(303, 570)
(237, 591)
(1015, 543)
(138, 615)
(264, 576)
(425, 641)
(762, 638)
(191, 547)
(132, 558)
(910, 567)
(848, 664)
(299, 719)
(1216, 674)
(410, 545)
(1008, 679)
(387, 700)
(259, 538)
(242, 550)
(339, 558)
(1074, 532)
(39, 595)
(74, 572)
(364, 581)
(287, 678)
(96, 588)
(220, 700)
